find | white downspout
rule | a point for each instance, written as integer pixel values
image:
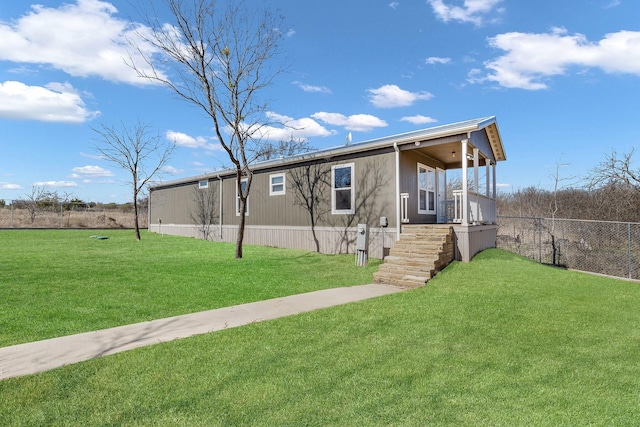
(465, 183)
(220, 214)
(397, 150)
(476, 164)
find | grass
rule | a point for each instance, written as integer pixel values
(500, 341)
(60, 282)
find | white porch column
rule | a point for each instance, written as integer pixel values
(487, 174)
(465, 184)
(476, 185)
(495, 195)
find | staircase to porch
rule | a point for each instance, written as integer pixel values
(421, 252)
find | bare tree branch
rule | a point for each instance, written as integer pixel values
(219, 60)
(136, 151)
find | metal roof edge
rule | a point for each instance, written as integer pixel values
(367, 145)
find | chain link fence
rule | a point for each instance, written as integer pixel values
(28, 214)
(611, 248)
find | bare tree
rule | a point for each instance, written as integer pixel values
(220, 60)
(35, 198)
(136, 151)
(616, 169)
(284, 148)
(203, 213)
(559, 183)
(311, 184)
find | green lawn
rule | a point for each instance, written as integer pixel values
(500, 341)
(60, 282)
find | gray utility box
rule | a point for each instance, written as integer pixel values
(362, 238)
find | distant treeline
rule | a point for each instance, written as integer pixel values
(610, 202)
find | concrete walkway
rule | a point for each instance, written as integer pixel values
(39, 356)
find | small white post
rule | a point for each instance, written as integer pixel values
(476, 164)
(465, 183)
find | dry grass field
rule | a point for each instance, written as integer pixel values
(100, 217)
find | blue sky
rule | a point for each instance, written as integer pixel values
(562, 77)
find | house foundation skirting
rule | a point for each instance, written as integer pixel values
(473, 239)
(331, 240)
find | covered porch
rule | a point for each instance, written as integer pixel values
(451, 179)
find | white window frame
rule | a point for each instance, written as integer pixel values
(334, 210)
(430, 187)
(273, 192)
(203, 184)
(238, 200)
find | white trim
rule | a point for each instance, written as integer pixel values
(465, 183)
(351, 210)
(246, 213)
(441, 199)
(282, 192)
(203, 183)
(430, 187)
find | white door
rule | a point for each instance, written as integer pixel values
(442, 196)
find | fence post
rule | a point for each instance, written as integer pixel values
(540, 240)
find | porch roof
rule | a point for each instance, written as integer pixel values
(438, 141)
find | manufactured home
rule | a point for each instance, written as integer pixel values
(444, 175)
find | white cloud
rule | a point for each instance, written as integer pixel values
(532, 58)
(437, 60)
(9, 186)
(611, 4)
(418, 119)
(81, 39)
(285, 127)
(473, 11)
(356, 122)
(184, 140)
(92, 156)
(309, 88)
(55, 184)
(394, 5)
(391, 96)
(171, 170)
(90, 171)
(57, 102)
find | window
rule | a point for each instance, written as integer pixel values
(277, 184)
(203, 184)
(243, 185)
(342, 189)
(426, 190)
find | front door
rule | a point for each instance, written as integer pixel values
(441, 200)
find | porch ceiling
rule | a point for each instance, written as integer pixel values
(449, 154)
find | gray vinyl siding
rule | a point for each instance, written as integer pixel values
(172, 204)
(374, 193)
(409, 183)
(481, 142)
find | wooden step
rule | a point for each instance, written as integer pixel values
(420, 253)
(402, 280)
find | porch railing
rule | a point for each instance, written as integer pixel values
(482, 209)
